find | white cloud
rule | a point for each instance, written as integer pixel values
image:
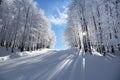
(60, 18)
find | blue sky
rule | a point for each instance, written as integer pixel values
(55, 10)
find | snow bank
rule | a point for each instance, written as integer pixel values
(4, 58)
(21, 54)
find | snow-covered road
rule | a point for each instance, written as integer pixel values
(60, 65)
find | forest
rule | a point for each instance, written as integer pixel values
(94, 25)
(23, 26)
(32, 31)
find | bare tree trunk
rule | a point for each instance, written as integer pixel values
(16, 30)
(24, 32)
(0, 2)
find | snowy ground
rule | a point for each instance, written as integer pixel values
(59, 65)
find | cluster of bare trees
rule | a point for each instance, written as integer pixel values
(94, 25)
(23, 26)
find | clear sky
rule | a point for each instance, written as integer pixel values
(55, 10)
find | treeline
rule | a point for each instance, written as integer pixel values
(24, 26)
(94, 25)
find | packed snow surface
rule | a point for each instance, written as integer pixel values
(59, 65)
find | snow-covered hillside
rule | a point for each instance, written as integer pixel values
(60, 65)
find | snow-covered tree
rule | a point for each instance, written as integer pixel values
(24, 26)
(98, 24)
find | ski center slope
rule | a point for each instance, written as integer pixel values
(60, 65)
